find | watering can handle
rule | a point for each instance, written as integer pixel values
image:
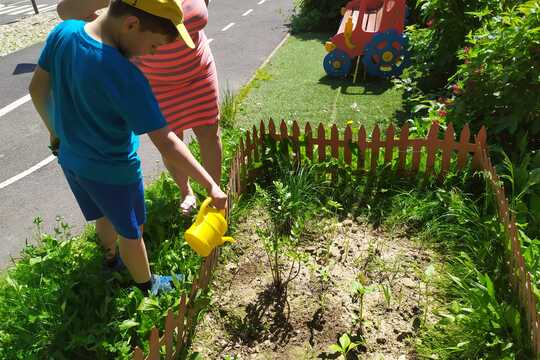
(204, 210)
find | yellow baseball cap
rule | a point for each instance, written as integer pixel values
(168, 9)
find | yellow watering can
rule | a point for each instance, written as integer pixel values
(208, 230)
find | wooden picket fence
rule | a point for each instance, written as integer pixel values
(431, 156)
(179, 325)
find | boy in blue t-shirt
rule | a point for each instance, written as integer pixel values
(101, 103)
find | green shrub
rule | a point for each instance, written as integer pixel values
(498, 82)
(317, 15)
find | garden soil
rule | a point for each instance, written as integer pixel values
(249, 319)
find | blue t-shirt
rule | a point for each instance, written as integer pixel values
(101, 103)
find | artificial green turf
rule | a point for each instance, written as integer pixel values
(294, 86)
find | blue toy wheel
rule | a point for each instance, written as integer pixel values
(337, 63)
(386, 55)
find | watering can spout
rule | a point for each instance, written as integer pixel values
(207, 231)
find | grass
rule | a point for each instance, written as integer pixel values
(57, 301)
(294, 86)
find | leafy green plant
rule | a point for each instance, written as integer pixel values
(498, 79)
(344, 346)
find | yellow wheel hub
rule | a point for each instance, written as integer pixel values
(336, 64)
(388, 56)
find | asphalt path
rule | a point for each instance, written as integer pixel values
(31, 183)
(14, 10)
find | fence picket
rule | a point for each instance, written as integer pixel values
(262, 136)
(283, 130)
(284, 135)
(362, 146)
(432, 147)
(321, 141)
(389, 148)
(334, 142)
(403, 145)
(272, 130)
(248, 147)
(347, 143)
(168, 335)
(256, 156)
(296, 141)
(309, 141)
(462, 147)
(138, 354)
(447, 149)
(375, 145)
(154, 344)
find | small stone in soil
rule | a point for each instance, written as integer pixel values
(381, 341)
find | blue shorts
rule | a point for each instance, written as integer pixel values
(122, 205)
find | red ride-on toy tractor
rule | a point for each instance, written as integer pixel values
(373, 30)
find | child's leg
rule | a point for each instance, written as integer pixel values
(188, 200)
(133, 254)
(107, 236)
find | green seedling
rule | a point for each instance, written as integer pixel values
(387, 292)
(360, 291)
(343, 346)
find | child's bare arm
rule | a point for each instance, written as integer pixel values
(79, 9)
(179, 160)
(40, 92)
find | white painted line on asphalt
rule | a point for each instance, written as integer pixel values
(210, 40)
(19, 2)
(8, 9)
(247, 12)
(228, 27)
(42, 8)
(261, 2)
(14, 105)
(17, 10)
(27, 172)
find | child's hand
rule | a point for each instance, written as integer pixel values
(219, 198)
(55, 145)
